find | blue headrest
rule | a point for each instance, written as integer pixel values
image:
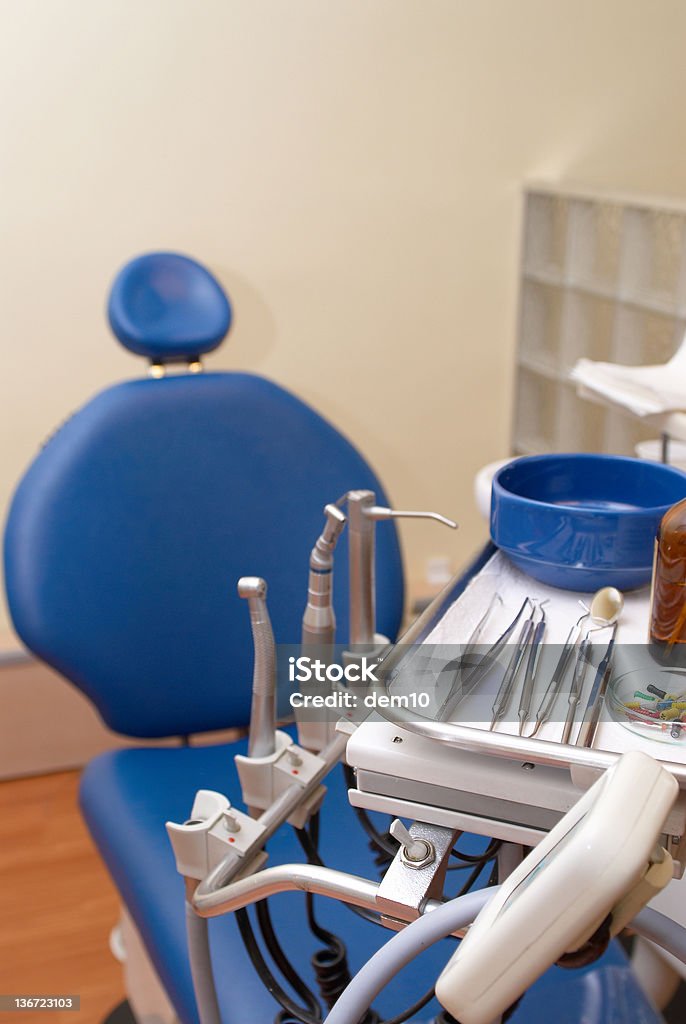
(128, 533)
(168, 307)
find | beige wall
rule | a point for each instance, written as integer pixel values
(352, 172)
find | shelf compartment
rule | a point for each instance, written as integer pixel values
(644, 338)
(596, 244)
(545, 233)
(589, 329)
(541, 325)
(653, 247)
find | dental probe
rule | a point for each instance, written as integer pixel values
(582, 660)
(502, 699)
(530, 673)
(553, 689)
(597, 696)
(261, 742)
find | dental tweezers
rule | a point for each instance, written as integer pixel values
(530, 673)
(582, 660)
(547, 704)
(484, 665)
(504, 694)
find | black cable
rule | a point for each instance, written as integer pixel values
(330, 963)
(400, 1018)
(310, 843)
(473, 858)
(313, 858)
(265, 974)
(264, 920)
(384, 843)
(493, 877)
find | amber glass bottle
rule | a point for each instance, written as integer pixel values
(668, 602)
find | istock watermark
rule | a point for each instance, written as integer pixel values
(304, 670)
(335, 695)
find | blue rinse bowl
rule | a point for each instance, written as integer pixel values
(581, 522)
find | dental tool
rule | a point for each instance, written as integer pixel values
(547, 704)
(504, 694)
(319, 620)
(363, 514)
(470, 647)
(582, 660)
(606, 606)
(318, 635)
(261, 742)
(530, 673)
(479, 671)
(479, 628)
(596, 698)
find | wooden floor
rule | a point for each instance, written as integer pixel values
(57, 904)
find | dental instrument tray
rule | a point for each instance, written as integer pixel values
(481, 754)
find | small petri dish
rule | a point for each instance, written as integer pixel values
(630, 704)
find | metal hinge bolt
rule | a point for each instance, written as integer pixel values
(415, 852)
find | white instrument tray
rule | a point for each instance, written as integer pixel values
(562, 610)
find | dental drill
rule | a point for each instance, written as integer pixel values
(319, 621)
(261, 742)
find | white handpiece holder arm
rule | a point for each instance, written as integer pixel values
(214, 830)
(580, 886)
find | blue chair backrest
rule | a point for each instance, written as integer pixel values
(127, 535)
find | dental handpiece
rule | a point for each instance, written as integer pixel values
(319, 620)
(261, 741)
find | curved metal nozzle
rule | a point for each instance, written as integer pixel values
(261, 742)
(380, 512)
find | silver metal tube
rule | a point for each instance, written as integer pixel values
(380, 512)
(514, 748)
(272, 819)
(361, 551)
(200, 959)
(321, 881)
(360, 892)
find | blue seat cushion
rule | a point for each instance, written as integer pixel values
(127, 796)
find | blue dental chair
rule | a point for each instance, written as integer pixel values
(123, 546)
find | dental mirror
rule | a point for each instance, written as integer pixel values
(606, 606)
